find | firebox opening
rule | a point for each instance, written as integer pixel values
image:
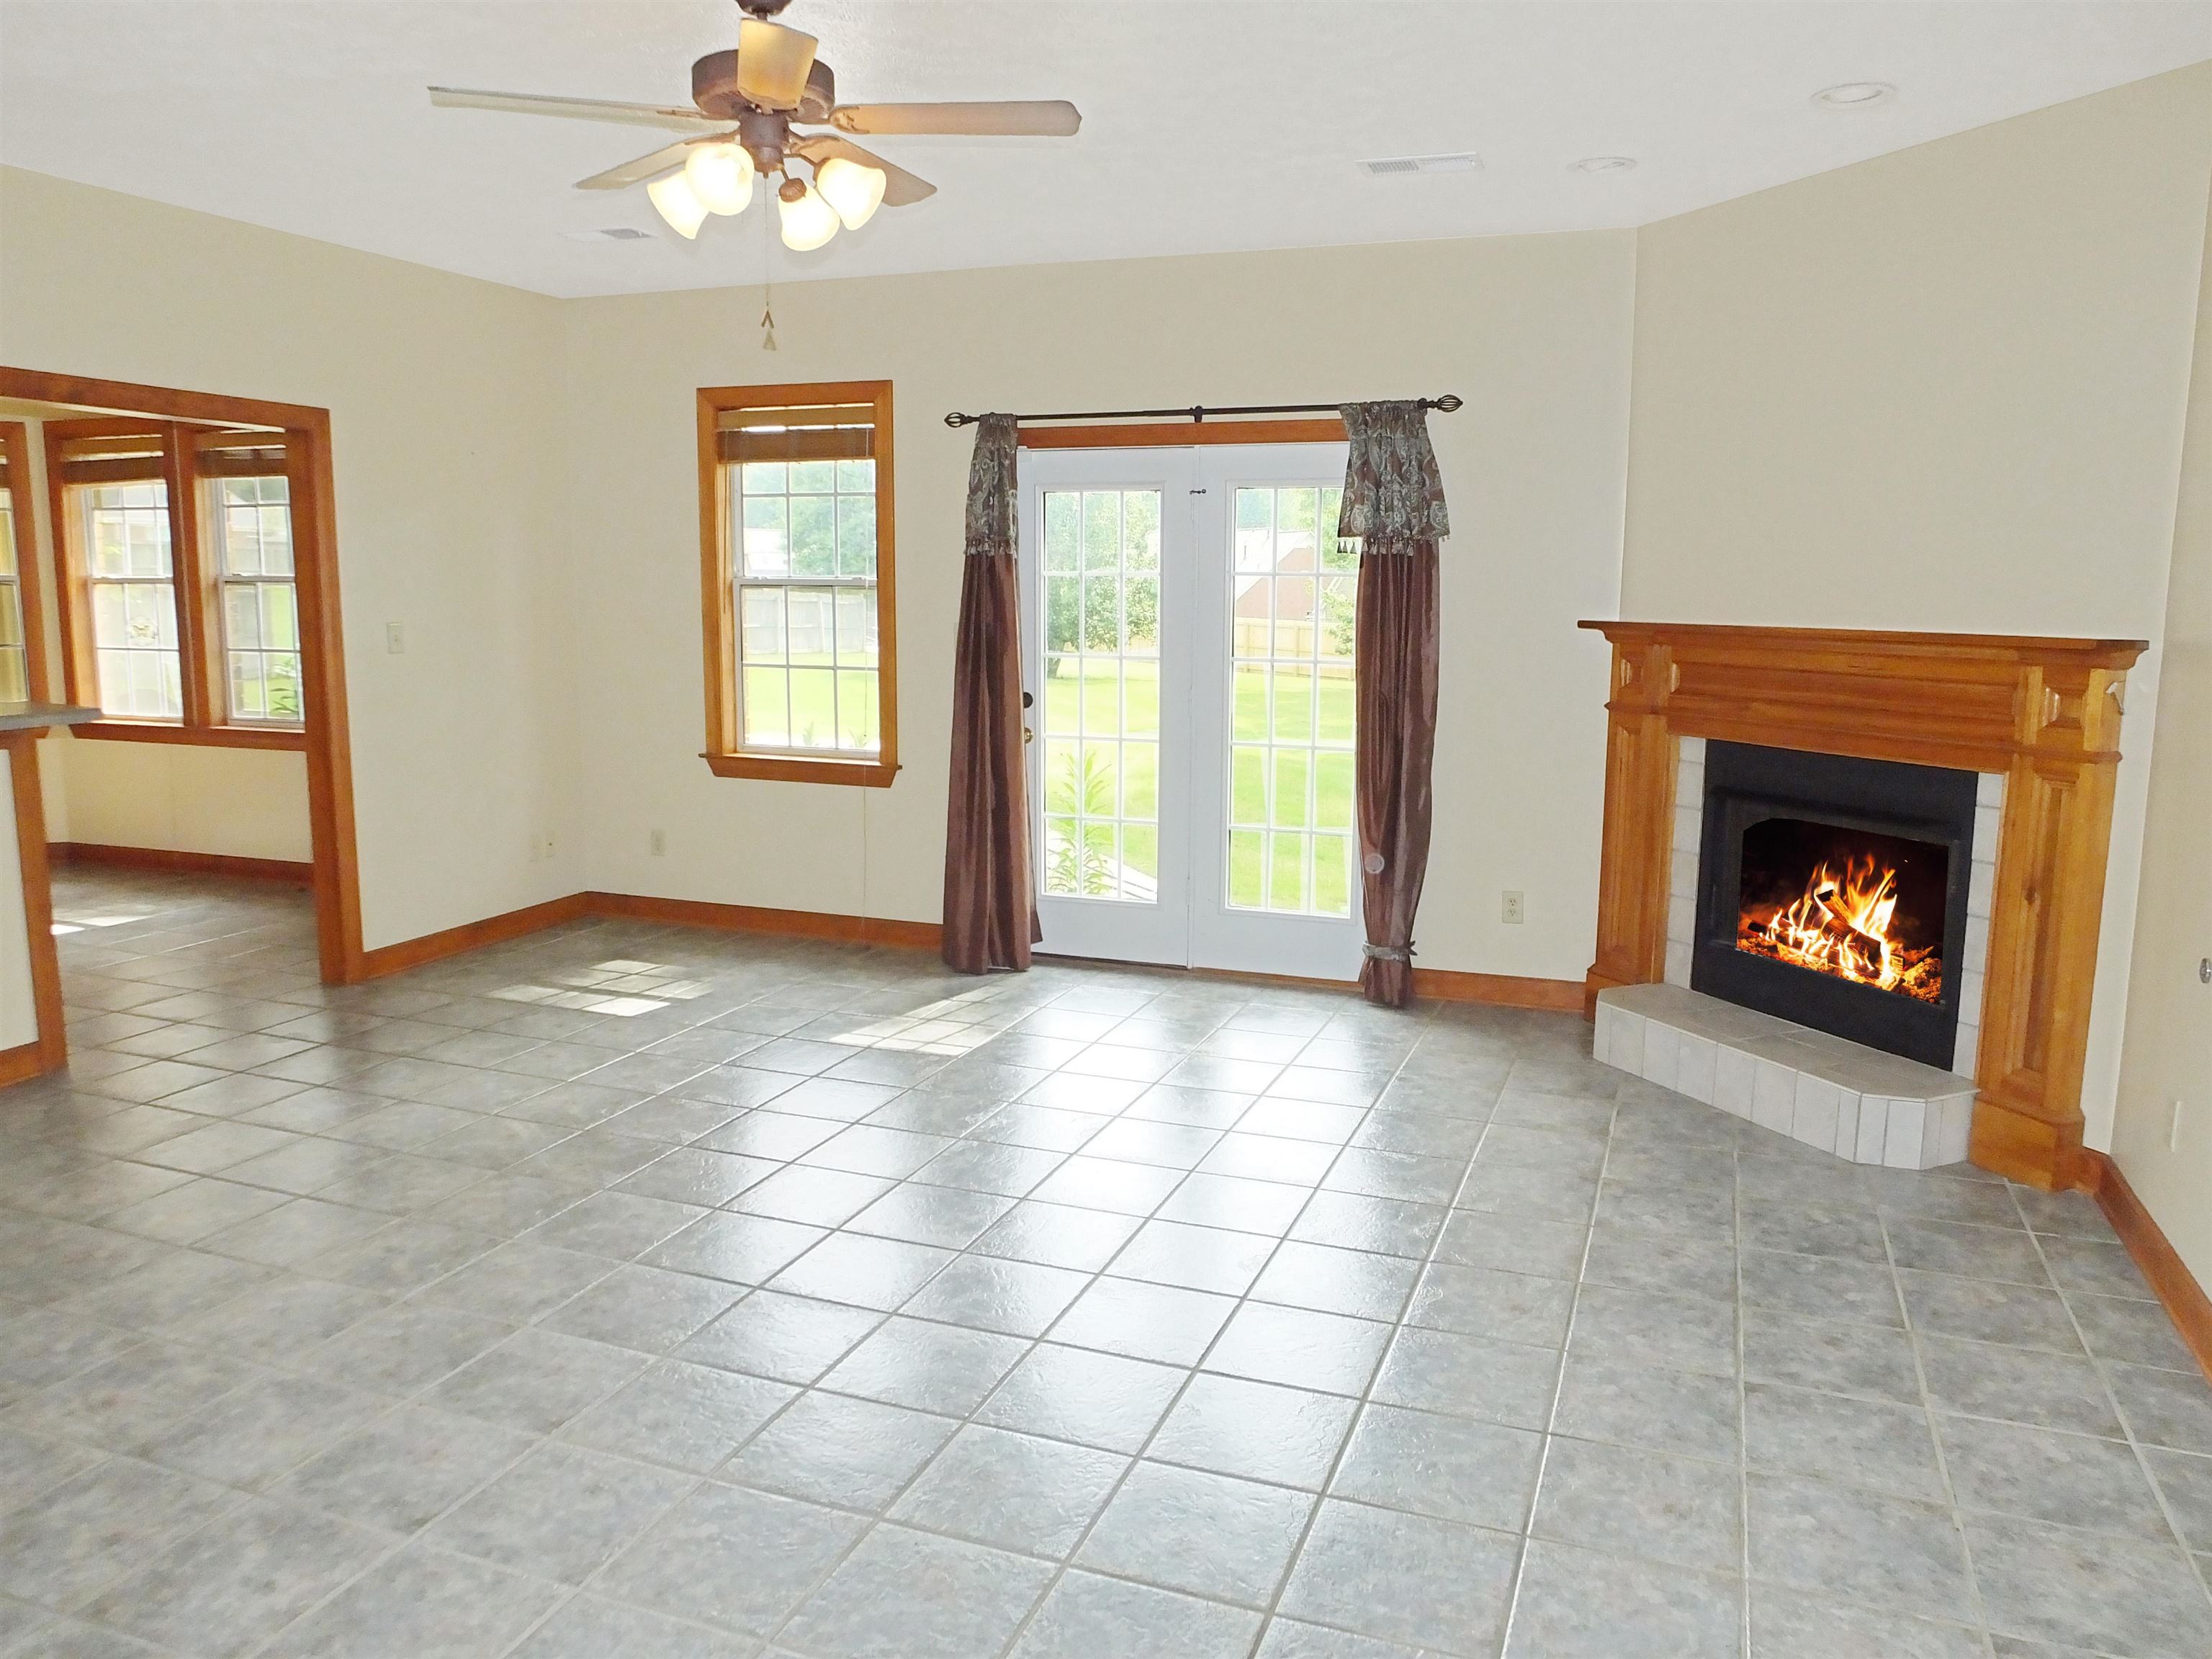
(1850, 903)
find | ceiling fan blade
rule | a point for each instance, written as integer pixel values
(773, 62)
(645, 167)
(676, 117)
(1048, 117)
(903, 188)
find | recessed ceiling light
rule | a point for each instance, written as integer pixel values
(1855, 95)
(1603, 164)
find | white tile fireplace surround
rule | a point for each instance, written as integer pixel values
(1842, 1096)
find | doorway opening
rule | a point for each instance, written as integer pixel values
(171, 565)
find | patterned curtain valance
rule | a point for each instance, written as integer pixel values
(991, 503)
(1393, 495)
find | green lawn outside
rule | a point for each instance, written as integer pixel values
(1313, 787)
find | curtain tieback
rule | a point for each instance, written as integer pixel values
(1387, 953)
(1373, 864)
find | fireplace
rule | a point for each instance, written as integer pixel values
(1831, 892)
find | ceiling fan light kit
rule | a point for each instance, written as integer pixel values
(747, 101)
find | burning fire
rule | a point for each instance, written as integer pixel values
(1841, 925)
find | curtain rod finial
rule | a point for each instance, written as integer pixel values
(1450, 402)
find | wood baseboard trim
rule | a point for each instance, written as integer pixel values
(757, 919)
(2175, 1287)
(162, 858)
(1500, 990)
(471, 936)
(22, 1063)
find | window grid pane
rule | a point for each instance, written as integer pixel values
(804, 563)
(134, 601)
(260, 606)
(1102, 694)
(14, 665)
(1293, 591)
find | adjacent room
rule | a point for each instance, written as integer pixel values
(1262, 831)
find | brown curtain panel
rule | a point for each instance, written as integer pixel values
(990, 904)
(1394, 506)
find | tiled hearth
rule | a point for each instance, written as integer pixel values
(1855, 1101)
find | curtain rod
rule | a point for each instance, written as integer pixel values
(1197, 412)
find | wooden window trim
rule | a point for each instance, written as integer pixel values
(725, 756)
(189, 455)
(30, 556)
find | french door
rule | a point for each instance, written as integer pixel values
(1188, 634)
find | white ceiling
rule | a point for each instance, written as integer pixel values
(1208, 124)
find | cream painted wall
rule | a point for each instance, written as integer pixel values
(1533, 331)
(441, 392)
(2168, 1058)
(247, 802)
(1942, 390)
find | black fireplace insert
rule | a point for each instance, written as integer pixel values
(1832, 891)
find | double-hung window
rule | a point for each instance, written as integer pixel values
(180, 618)
(795, 540)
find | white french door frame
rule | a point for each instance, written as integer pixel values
(1190, 923)
(1116, 929)
(1245, 941)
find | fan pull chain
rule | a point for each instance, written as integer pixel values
(767, 290)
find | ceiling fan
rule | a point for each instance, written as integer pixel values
(747, 101)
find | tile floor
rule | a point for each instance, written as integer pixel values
(633, 1290)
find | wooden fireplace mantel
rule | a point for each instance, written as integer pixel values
(2045, 713)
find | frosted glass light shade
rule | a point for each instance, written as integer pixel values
(856, 190)
(721, 176)
(674, 200)
(808, 221)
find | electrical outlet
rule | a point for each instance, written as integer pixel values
(1509, 911)
(395, 638)
(2174, 1130)
(656, 842)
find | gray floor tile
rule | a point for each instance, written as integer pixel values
(237, 1582)
(726, 1556)
(1407, 1579)
(536, 1380)
(859, 1454)
(1457, 1468)
(1578, 1604)
(1859, 1442)
(1014, 1491)
(1087, 1616)
(1645, 1503)
(792, 1339)
(649, 1308)
(419, 1604)
(1886, 1552)
(2052, 1583)
(557, 1265)
(560, 1512)
(1787, 1624)
(1260, 1431)
(908, 1595)
(1077, 1394)
(1209, 1535)
(689, 1416)
(2073, 1479)
(1470, 1376)
(402, 1471)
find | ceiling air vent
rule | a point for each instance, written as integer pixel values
(1388, 167)
(611, 233)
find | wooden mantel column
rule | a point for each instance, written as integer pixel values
(2045, 713)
